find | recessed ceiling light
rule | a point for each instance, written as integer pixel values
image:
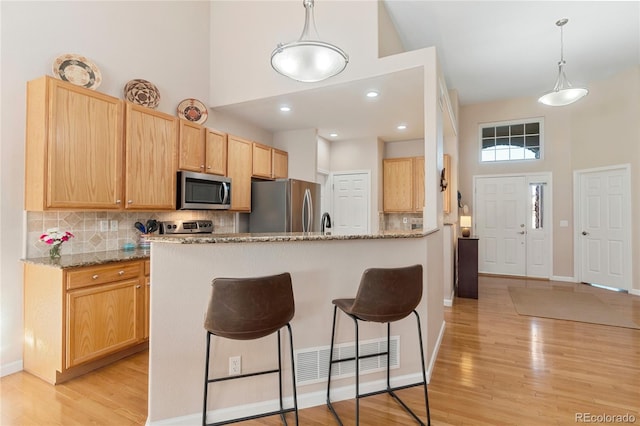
(401, 127)
(372, 94)
(285, 108)
(333, 135)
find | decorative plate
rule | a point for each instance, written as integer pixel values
(78, 70)
(142, 92)
(193, 110)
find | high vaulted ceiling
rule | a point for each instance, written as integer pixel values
(488, 51)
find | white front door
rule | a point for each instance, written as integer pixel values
(500, 225)
(603, 227)
(513, 222)
(351, 203)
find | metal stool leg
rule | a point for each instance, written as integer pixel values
(293, 375)
(333, 335)
(424, 373)
(206, 381)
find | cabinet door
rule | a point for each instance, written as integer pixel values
(101, 320)
(418, 176)
(150, 159)
(280, 167)
(216, 153)
(261, 161)
(239, 168)
(398, 185)
(191, 146)
(77, 160)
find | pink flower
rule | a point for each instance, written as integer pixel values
(54, 236)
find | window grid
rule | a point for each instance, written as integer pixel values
(511, 141)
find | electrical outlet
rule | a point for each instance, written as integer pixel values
(404, 220)
(235, 365)
(114, 225)
(104, 225)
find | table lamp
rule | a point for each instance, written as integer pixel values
(465, 224)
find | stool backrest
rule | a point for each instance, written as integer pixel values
(249, 308)
(388, 294)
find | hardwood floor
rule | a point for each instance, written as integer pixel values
(495, 367)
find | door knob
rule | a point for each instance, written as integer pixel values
(585, 233)
(521, 232)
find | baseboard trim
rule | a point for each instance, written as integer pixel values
(10, 368)
(563, 279)
(634, 291)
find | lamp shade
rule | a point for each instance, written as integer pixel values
(465, 221)
(308, 59)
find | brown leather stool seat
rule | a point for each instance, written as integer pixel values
(385, 295)
(247, 309)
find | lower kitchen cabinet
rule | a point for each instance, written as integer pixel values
(80, 319)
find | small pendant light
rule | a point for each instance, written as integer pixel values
(563, 93)
(308, 60)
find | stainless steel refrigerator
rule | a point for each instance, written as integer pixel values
(286, 205)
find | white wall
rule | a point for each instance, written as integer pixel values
(302, 146)
(166, 43)
(399, 149)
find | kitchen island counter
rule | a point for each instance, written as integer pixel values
(279, 236)
(322, 268)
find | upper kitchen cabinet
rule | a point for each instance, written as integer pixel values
(215, 152)
(262, 161)
(202, 150)
(151, 144)
(280, 164)
(73, 148)
(192, 141)
(403, 185)
(240, 169)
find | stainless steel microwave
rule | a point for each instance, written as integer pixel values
(200, 191)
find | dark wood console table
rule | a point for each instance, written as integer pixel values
(468, 267)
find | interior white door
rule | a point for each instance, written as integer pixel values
(604, 228)
(500, 224)
(351, 203)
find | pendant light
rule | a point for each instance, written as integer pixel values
(563, 93)
(308, 59)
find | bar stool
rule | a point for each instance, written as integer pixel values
(247, 309)
(384, 296)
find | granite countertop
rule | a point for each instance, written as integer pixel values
(274, 237)
(89, 259)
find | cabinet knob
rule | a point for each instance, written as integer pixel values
(202, 166)
(95, 277)
(118, 201)
(130, 202)
(137, 286)
(120, 272)
(208, 167)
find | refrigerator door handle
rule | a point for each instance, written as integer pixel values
(310, 217)
(305, 205)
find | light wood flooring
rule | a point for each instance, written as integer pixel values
(494, 367)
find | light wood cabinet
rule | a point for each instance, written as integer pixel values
(216, 152)
(403, 185)
(73, 147)
(239, 169)
(201, 149)
(80, 319)
(150, 159)
(280, 164)
(262, 161)
(191, 143)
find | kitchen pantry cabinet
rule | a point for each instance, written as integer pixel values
(280, 164)
(74, 147)
(403, 185)
(201, 149)
(80, 319)
(89, 151)
(240, 169)
(151, 139)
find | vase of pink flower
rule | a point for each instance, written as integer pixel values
(54, 237)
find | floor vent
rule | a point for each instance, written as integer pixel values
(312, 364)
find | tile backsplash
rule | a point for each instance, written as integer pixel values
(88, 238)
(396, 221)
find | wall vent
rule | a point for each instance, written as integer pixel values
(312, 364)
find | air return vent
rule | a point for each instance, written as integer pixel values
(312, 364)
